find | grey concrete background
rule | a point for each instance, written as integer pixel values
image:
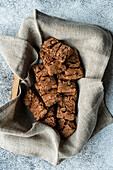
(98, 153)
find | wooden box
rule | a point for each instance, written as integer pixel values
(15, 87)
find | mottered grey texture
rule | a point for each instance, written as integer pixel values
(98, 153)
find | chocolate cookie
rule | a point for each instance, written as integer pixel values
(50, 97)
(72, 74)
(48, 44)
(52, 65)
(49, 118)
(73, 70)
(44, 84)
(69, 102)
(66, 86)
(66, 127)
(35, 105)
(73, 61)
(39, 71)
(63, 112)
(56, 49)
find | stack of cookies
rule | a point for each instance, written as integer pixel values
(53, 98)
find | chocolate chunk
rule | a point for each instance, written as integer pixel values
(52, 65)
(66, 87)
(35, 105)
(49, 119)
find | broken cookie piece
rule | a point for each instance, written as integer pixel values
(67, 131)
(39, 71)
(50, 97)
(63, 122)
(73, 70)
(35, 105)
(66, 114)
(47, 59)
(49, 118)
(44, 84)
(73, 61)
(55, 67)
(63, 112)
(61, 52)
(69, 102)
(66, 127)
(74, 73)
(56, 49)
(28, 98)
(48, 44)
(66, 86)
(52, 65)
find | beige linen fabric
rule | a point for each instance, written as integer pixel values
(19, 132)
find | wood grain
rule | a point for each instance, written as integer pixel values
(15, 87)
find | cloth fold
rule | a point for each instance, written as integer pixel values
(19, 132)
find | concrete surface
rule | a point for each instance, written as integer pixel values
(98, 153)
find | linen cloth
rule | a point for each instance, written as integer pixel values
(19, 132)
